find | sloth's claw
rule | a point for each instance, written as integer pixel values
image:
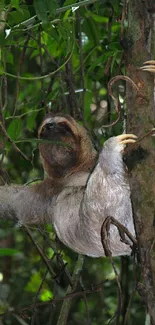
(126, 138)
(148, 66)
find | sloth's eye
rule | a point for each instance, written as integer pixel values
(65, 126)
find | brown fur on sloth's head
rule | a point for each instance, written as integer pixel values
(71, 151)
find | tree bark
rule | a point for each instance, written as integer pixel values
(140, 120)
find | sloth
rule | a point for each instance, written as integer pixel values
(81, 188)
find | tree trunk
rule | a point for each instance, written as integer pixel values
(140, 120)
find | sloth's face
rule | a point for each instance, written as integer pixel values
(54, 129)
(61, 153)
(69, 150)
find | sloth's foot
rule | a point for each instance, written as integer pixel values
(149, 66)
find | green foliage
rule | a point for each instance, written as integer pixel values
(14, 129)
(8, 251)
(54, 58)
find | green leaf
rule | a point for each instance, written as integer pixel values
(34, 283)
(2, 38)
(31, 120)
(114, 60)
(10, 58)
(2, 4)
(15, 4)
(90, 28)
(41, 10)
(51, 6)
(8, 251)
(16, 17)
(99, 19)
(46, 295)
(67, 13)
(14, 129)
(96, 63)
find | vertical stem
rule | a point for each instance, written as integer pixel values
(81, 60)
(64, 312)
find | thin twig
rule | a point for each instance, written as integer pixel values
(37, 294)
(129, 305)
(3, 105)
(46, 75)
(41, 69)
(21, 60)
(44, 258)
(124, 12)
(94, 289)
(71, 88)
(79, 4)
(87, 310)
(12, 142)
(106, 245)
(4, 95)
(143, 137)
(58, 255)
(73, 294)
(121, 229)
(64, 101)
(67, 297)
(110, 21)
(81, 59)
(115, 99)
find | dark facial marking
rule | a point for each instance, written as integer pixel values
(53, 129)
(64, 128)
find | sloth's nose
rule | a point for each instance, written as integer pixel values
(50, 126)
